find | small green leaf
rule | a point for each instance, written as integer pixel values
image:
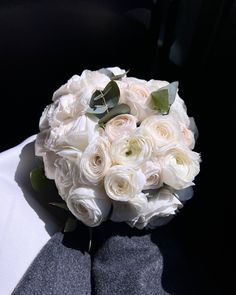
(102, 94)
(164, 97)
(97, 109)
(118, 110)
(111, 94)
(70, 224)
(118, 77)
(38, 180)
(172, 90)
(96, 95)
(160, 100)
(106, 72)
(61, 205)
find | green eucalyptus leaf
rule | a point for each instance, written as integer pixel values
(96, 96)
(118, 77)
(70, 224)
(38, 180)
(111, 94)
(102, 94)
(117, 110)
(61, 205)
(97, 110)
(172, 90)
(106, 72)
(160, 101)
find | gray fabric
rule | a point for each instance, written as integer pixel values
(128, 266)
(122, 261)
(60, 268)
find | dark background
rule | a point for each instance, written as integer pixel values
(43, 43)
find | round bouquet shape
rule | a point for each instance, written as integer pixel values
(119, 148)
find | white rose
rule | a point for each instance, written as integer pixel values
(154, 85)
(163, 129)
(162, 204)
(66, 167)
(120, 125)
(89, 204)
(179, 166)
(83, 86)
(49, 159)
(123, 183)
(178, 111)
(95, 161)
(152, 171)
(135, 93)
(188, 136)
(129, 211)
(116, 70)
(132, 150)
(63, 176)
(63, 110)
(78, 133)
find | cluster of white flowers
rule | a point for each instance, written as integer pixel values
(134, 169)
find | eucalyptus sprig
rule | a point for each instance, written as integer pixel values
(164, 97)
(104, 104)
(104, 100)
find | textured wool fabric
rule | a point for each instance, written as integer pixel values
(127, 261)
(62, 267)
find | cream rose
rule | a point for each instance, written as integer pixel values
(179, 166)
(89, 204)
(116, 70)
(63, 176)
(82, 86)
(154, 85)
(129, 211)
(78, 133)
(95, 162)
(162, 204)
(132, 150)
(123, 183)
(135, 93)
(49, 159)
(152, 171)
(162, 129)
(179, 112)
(60, 112)
(120, 125)
(188, 136)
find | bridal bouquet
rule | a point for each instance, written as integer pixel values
(119, 148)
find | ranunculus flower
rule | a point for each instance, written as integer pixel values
(179, 166)
(163, 203)
(120, 125)
(123, 183)
(152, 171)
(162, 129)
(132, 150)
(89, 204)
(95, 161)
